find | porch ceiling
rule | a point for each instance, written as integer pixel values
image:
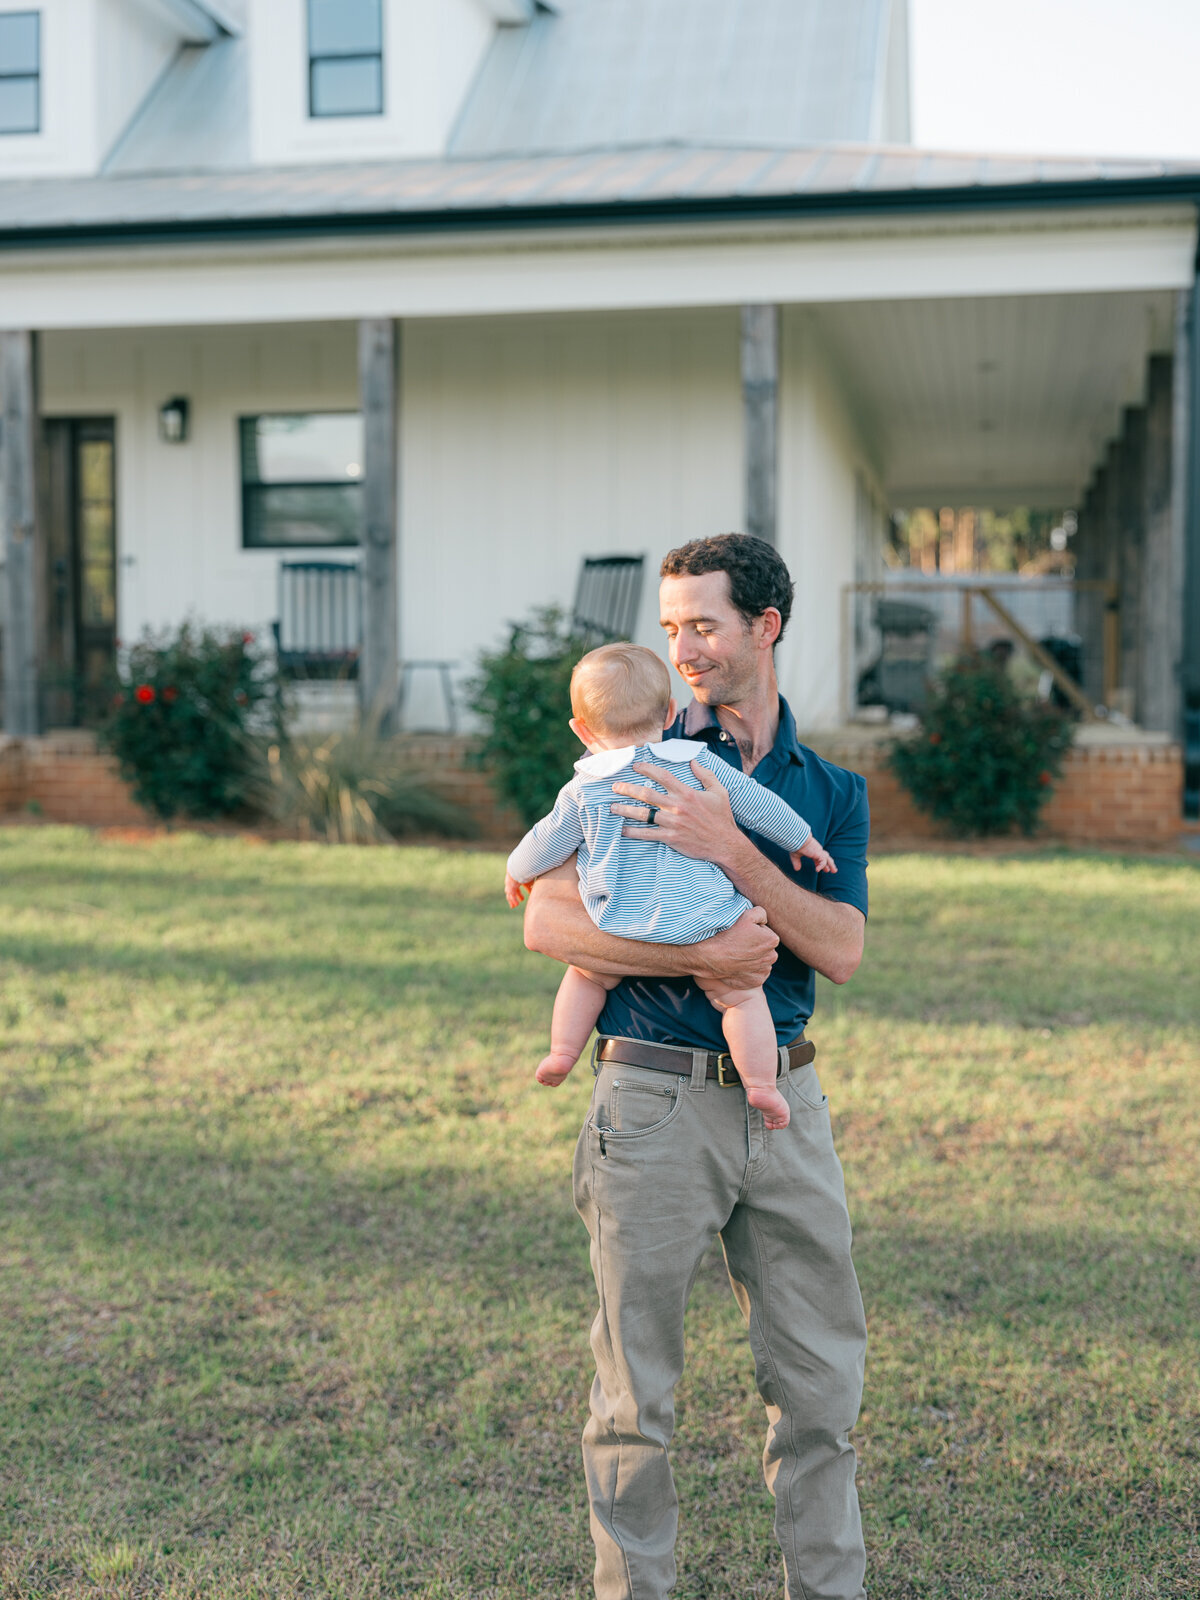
(994, 401)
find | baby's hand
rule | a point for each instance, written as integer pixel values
(813, 850)
(515, 892)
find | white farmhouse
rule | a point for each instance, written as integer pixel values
(472, 289)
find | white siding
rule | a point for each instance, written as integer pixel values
(179, 506)
(824, 530)
(530, 443)
(66, 142)
(430, 55)
(526, 445)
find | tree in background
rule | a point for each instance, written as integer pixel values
(969, 539)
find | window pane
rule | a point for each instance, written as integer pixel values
(318, 514)
(19, 42)
(344, 28)
(321, 448)
(347, 88)
(18, 105)
(95, 469)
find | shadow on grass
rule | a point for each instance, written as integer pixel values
(176, 1198)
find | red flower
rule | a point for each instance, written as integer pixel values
(247, 638)
(935, 738)
(1043, 779)
(170, 693)
(144, 694)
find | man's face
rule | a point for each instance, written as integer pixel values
(716, 653)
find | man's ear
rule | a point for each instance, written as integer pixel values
(769, 624)
(672, 713)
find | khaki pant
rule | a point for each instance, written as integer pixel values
(662, 1166)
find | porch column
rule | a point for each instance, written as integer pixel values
(379, 669)
(18, 615)
(1190, 643)
(1090, 566)
(1158, 688)
(760, 410)
(1131, 505)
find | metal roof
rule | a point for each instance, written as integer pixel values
(196, 118)
(619, 73)
(602, 74)
(625, 185)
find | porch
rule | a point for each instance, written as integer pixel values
(520, 407)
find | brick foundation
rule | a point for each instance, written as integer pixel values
(1114, 790)
(1117, 787)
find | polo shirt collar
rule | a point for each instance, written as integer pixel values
(699, 718)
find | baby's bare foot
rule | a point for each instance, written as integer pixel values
(552, 1069)
(775, 1109)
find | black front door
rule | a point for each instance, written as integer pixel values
(81, 589)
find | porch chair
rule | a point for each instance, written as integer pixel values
(319, 630)
(607, 597)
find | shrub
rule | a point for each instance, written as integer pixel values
(182, 722)
(522, 694)
(984, 759)
(355, 788)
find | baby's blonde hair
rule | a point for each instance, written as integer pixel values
(621, 689)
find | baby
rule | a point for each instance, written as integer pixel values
(639, 888)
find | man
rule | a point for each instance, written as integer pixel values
(672, 1156)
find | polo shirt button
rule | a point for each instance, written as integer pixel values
(724, 738)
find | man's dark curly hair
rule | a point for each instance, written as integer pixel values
(758, 577)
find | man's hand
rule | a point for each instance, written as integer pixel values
(742, 956)
(696, 822)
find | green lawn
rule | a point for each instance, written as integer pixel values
(294, 1302)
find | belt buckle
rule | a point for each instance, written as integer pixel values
(727, 1076)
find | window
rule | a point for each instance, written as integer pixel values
(301, 480)
(345, 58)
(20, 72)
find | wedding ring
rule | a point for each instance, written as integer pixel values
(653, 810)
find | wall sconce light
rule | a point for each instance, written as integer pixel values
(173, 421)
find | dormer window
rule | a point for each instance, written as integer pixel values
(345, 58)
(20, 71)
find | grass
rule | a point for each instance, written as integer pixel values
(294, 1302)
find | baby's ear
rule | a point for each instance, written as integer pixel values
(581, 731)
(672, 713)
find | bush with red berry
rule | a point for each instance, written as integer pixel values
(184, 721)
(985, 757)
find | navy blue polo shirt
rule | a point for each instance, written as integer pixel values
(834, 803)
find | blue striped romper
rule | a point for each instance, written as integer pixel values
(639, 888)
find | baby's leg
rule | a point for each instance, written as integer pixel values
(750, 1034)
(578, 1003)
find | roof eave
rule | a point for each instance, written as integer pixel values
(1178, 187)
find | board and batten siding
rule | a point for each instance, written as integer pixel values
(531, 443)
(526, 444)
(825, 465)
(179, 533)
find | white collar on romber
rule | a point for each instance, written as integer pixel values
(607, 762)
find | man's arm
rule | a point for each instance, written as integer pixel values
(557, 925)
(825, 934)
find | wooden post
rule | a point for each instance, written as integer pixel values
(1131, 531)
(1190, 531)
(760, 409)
(1089, 568)
(379, 669)
(18, 396)
(1158, 695)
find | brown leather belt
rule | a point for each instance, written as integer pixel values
(678, 1059)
